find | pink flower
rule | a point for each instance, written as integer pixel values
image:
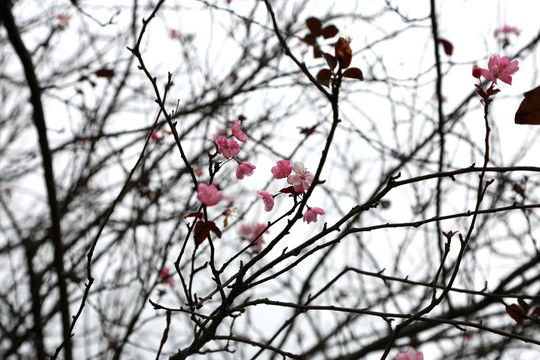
(63, 20)
(244, 169)
(311, 214)
(506, 29)
(227, 147)
(410, 354)
(229, 1)
(208, 194)
(155, 136)
(302, 179)
(165, 277)
(267, 198)
(174, 34)
(221, 131)
(239, 134)
(499, 68)
(251, 231)
(282, 169)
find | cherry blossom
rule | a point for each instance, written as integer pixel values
(267, 198)
(244, 169)
(311, 214)
(208, 194)
(237, 133)
(302, 178)
(498, 68)
(506, 29)
(251, 231)
(165, 277)
(174, 34)
(221, 131)
(227, 147)
(63, 20)
(410, 354)
(155, 136)
(282, 169)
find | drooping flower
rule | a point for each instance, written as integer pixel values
(237, 133)
(506, 29)
(410, 354)
(498, 68)
(282, 169)
(209, 195)
(227, 147)
(250, 232)
(244, 169)
(267, 198)
(302, 178)
(165, 277)
(311, 214)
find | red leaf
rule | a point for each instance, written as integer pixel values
(317, 52)
(308, 130)
(518, 189)
(447, 46)
(516, 313)
(343, 51)
(329, 31)
(523, 305)
(200, 232)
(314, 25)
(330, 60)
(288, 190)
(309, 39)
(354, 73)
(324, 77)
(106, 73)
(213, 227)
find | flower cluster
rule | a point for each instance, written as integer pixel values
(165, 277)
(410, 354)
(228, 148)
(300, 180)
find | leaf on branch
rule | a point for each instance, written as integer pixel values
(106, 73)
(317, 53)
(330, 60)
(447, 46)
(329, 31)
(516, 313)
(353, 73)
(288, 190)
(314, 25)
(324, 77)
(309, 39)
(308, 130)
